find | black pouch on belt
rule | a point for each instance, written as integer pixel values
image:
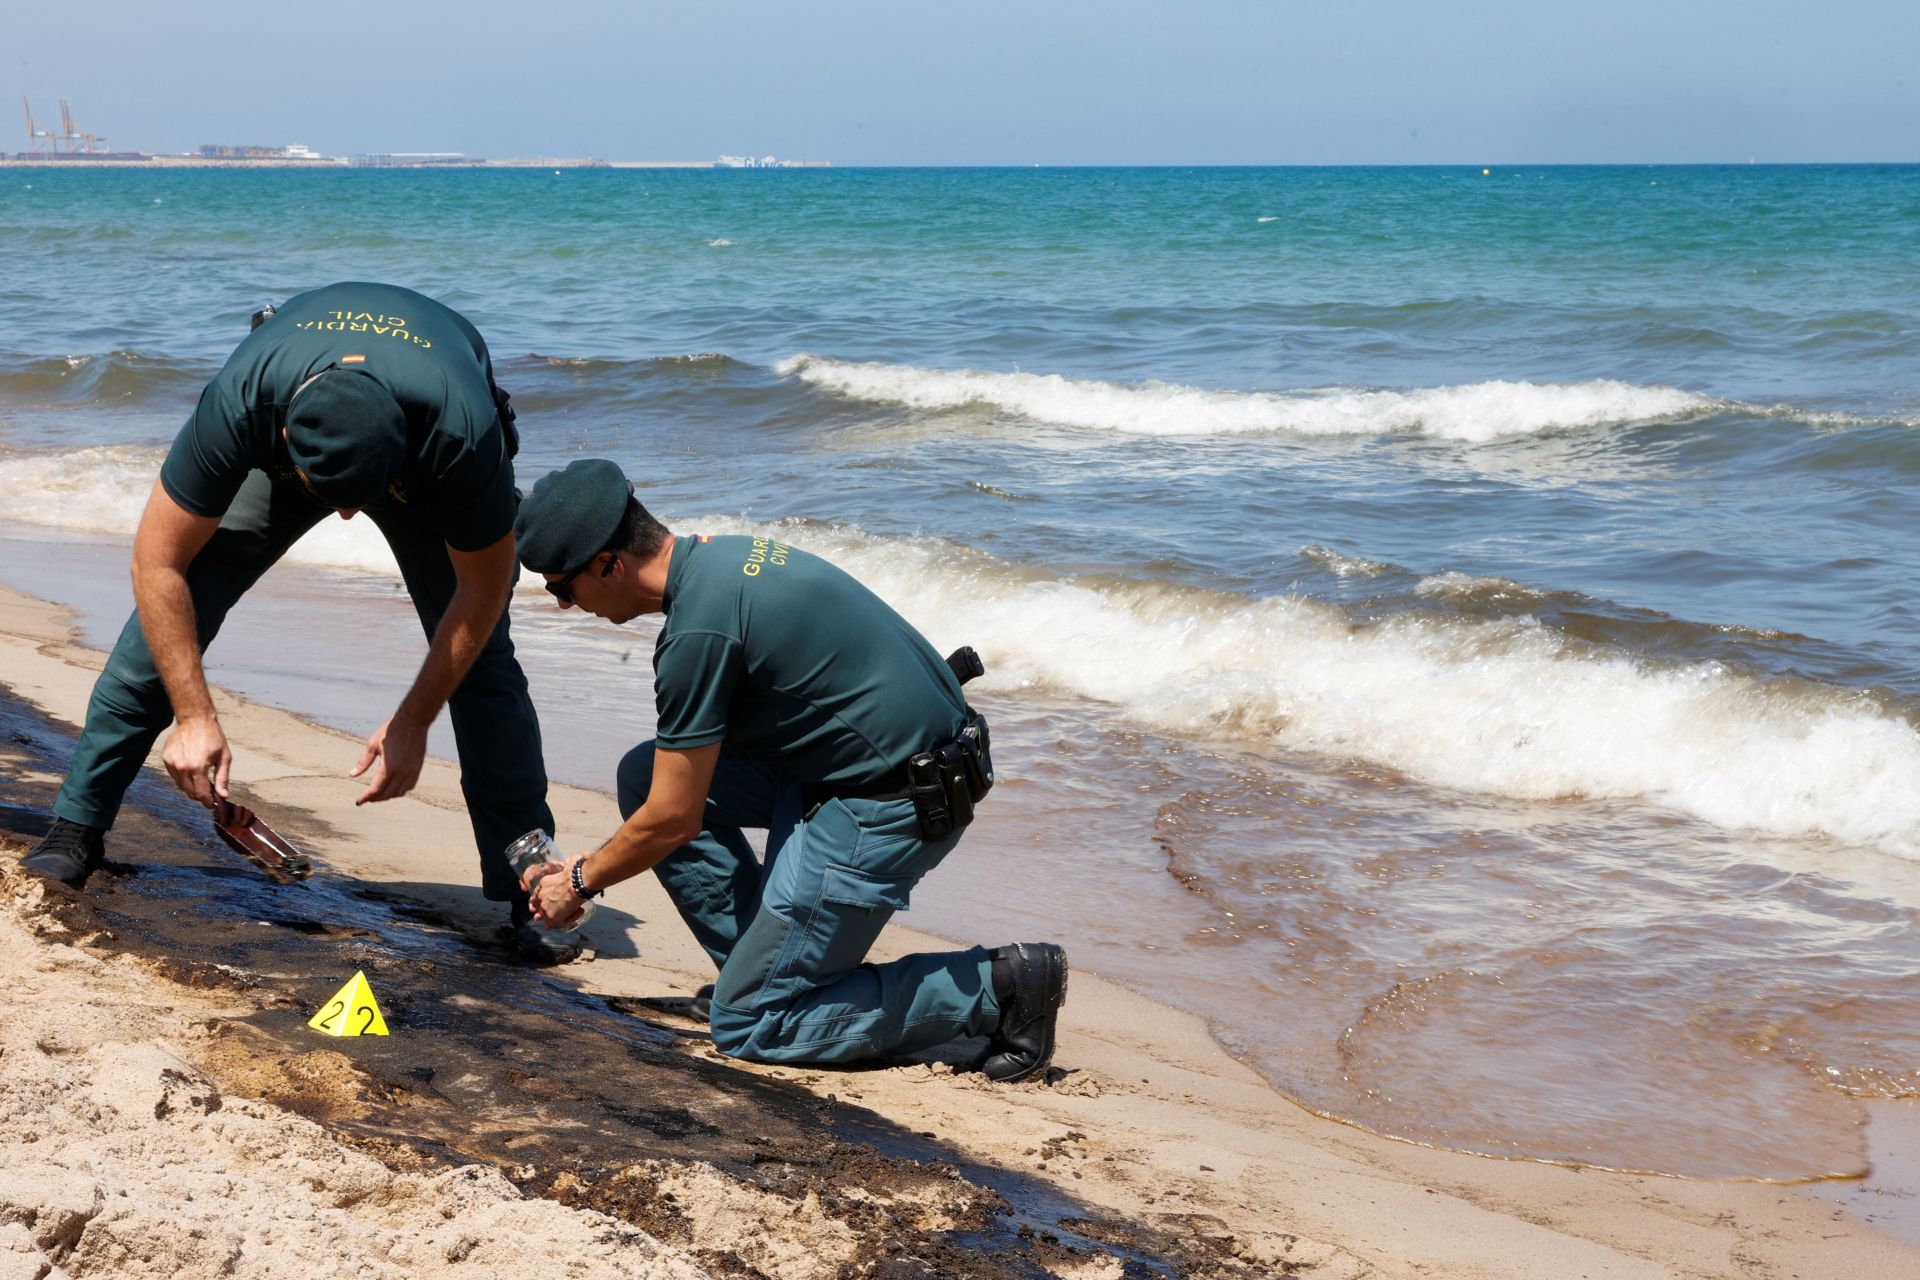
(953, 776)
(929, 795)
(946, 782)
(976, 755)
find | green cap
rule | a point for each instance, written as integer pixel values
(571, 515)
(348, 435)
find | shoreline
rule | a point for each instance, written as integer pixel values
(1199, 1132)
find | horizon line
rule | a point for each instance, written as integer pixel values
(183, 160)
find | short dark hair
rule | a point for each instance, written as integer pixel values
(638, 533)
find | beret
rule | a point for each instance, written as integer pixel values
(348, 435)
(571, 515)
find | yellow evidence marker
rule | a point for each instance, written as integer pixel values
(352, 1012)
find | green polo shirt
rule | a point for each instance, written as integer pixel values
(780, 654)
(429, 359)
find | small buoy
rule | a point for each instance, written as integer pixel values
(1486, 173)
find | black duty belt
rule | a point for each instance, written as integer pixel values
(891, 787)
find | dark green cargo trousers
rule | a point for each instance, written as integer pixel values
(502, 772)
(790, 935)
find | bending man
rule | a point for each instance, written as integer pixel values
(790, 698)
(351, 398)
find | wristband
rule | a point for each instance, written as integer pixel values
(579, 884)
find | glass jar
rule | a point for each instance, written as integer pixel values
(536, 849)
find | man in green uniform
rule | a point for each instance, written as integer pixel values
(790, 698)
(351, 398)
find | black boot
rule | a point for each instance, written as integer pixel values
(701, 1006)
(1030, 980)
(68, 853)
(537, 944)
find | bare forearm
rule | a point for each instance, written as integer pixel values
(197, 755)
(640, 843)
(167, 620)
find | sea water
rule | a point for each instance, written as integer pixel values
(1452, 630)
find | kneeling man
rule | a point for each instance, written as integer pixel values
(790, 699)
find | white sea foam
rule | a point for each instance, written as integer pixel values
(1504, 707)
(1473, 412)
(103, 490)
(1464, 586)
(100, 490)
(1341, 565)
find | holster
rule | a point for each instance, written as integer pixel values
(946, 782)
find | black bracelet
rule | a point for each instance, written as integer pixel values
(579, 884)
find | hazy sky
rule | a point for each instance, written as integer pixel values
(987, 82)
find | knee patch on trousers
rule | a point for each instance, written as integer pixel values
(733, 1030)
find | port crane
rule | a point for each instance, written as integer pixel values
(35, 133)
(85, 141)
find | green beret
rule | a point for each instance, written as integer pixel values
(571, 515)
(349, 436)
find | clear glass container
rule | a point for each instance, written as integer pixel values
(536, 849)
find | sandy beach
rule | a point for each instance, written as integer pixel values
(167, 1111)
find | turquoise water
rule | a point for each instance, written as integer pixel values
(1488, 595)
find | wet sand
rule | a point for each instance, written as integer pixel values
(156, 1040)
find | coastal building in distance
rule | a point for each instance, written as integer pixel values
(769, 162)
(415, 160)
(298, 152)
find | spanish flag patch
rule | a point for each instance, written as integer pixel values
(353, 359)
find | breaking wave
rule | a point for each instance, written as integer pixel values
(103, 490)
(115, 375)
(1505, 706)
(1472, 412)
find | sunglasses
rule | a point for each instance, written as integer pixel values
(562, 588)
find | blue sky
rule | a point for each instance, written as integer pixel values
(1062, 82)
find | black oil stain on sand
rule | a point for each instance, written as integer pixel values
(514, 1068)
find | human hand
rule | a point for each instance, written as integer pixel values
(552, 897)
(534, 873)
(198, 759)
(400, 746)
